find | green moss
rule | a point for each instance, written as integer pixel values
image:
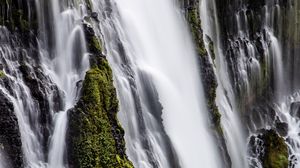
(2, 74)
(95, 44)
(211, 50)
(96, 131)
(193, 18)
(276, 151)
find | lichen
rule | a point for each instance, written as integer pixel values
(96, 136)
(276, 151)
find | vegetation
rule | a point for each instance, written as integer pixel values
(207, 72)
(193, 18)
(96, 139)
(2, 74)
(96, 135)
(276, 151)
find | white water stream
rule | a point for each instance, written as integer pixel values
(232, 127)
(162, 105)
(66, 69)
(159, 50)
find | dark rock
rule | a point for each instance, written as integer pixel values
(89, 31)
(275, 153)
(295, 109)
(10, 137)
(282, 128)
(94, 15)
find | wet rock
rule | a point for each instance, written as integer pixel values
(88, 30)
(94, 15)
(282, 128)
(275, 153)
(295, 109)
(10, 137)
(42, 91)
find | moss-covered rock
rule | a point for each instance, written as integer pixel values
(95, 135)
(193, 18)
(207, 72)
(276, 151)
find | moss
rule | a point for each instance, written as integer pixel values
(96, 136)
(193, 18)
(211, 50)
(94, 44)
(276, 151)
(207, 72)
(2, 74)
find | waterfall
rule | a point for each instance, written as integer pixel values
(66, 67)
(155, 50)
(249, 53)
(63, 67)
(249, 67)
(234, 135)
(24, 105)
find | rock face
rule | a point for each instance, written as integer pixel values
(10, 138)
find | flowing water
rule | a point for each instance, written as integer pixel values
(66, 69)
(162, 65)
(254, 63)
(162, 104)
(231, 124)
(63, 66)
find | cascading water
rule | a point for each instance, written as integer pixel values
(162, 63)
(65, 65)
(23, 103)
(234, 135)
(253, 49)
(66, 69)
(251, 53)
